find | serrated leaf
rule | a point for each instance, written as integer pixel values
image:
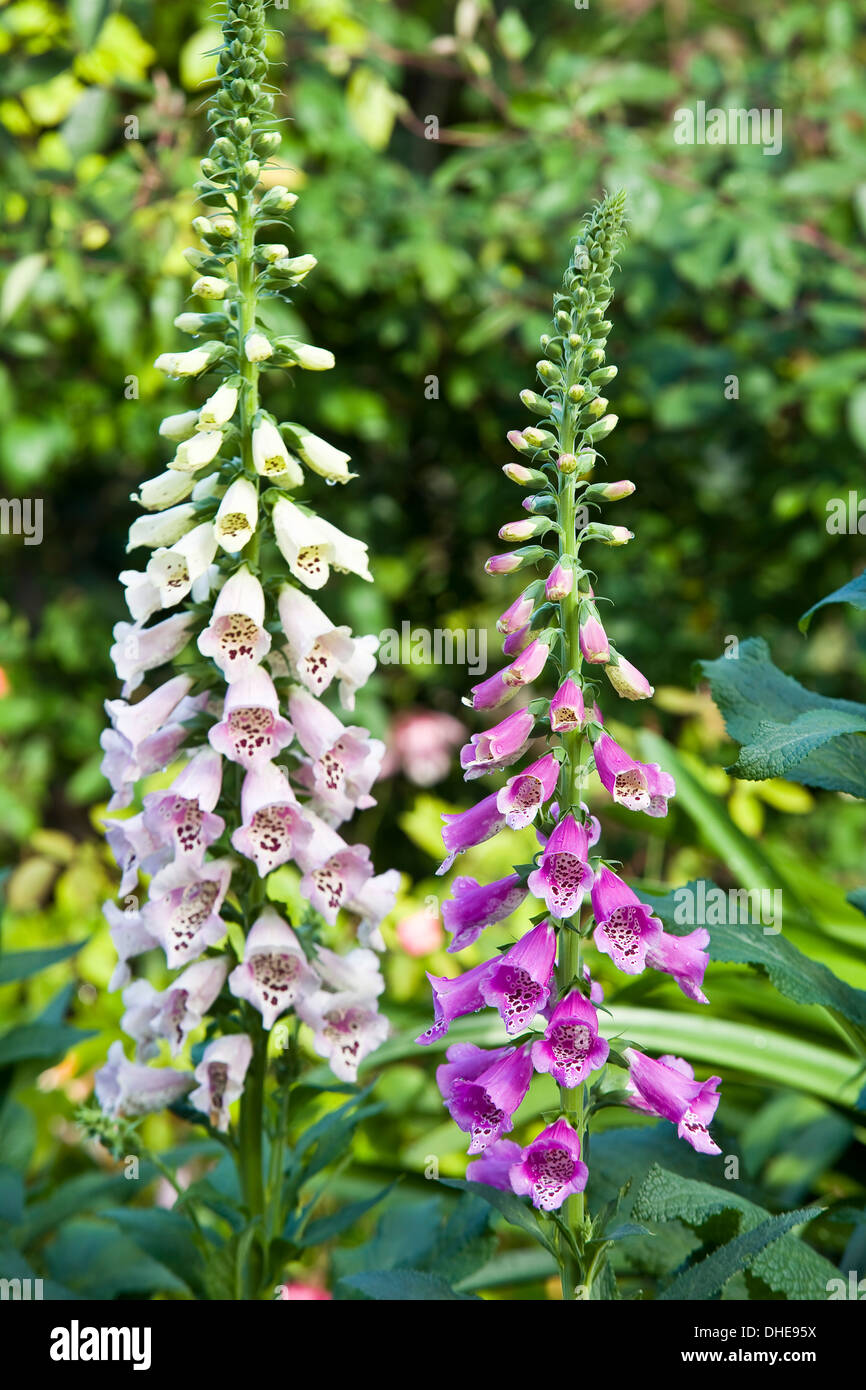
(749, 689)
(705, 1279)
(779, 747)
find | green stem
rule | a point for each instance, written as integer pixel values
(249, 397)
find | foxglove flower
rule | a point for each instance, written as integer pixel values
(571, 1047)
(344, 762)
(251, 732)
(475, 906)
(272, 823)
(346, 1028)
(220, 1076)
(550, 1169)
(627, 680)
(318, 652)
(175, 1012)
(667, 1088)
(130, 1089)
(184, 907)
(495, 1164)
(626, 928)
(637, 786)
(465, 829)
(683, 957)
(524, 794)
(183, 815)
(563, 873)
(567, 709)
(518, 983)
(500, 687)
(274, 974)
(454, 998)
(235, 637)
(482, 1090)
(497, 748)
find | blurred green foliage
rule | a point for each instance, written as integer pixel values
(444, 154)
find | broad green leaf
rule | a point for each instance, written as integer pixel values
(326, 1227)
(791, 1266)
(33, 1041)
(749, 689)
(854, 592)
(18, 965)
(794, 974)
(705, 1279)
(96, 1260)
(516, 1212)
(512, 1267)
(777, 748)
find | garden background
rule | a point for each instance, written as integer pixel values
(444, 155)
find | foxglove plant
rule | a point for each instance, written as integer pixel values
(541, 986)
(238, 660)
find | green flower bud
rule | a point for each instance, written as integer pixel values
(608, 535)
(602, 428)
(576, 393)
(609, 492)
(243, 127)
(201, 323)
(539, 439)
(211, 287)
(268, 142)
(549, 372)
(539, 405)
(272, 251)
(603, 376)
(597, 407)
(524, 477)
(566, 463)
(278, 199)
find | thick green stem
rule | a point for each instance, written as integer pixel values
(249, 397)
(568, 967)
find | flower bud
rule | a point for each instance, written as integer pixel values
(296, 268)
(609, 492)
(195, 258)
(202, 226)
(166, 490)
(549, 372)
(597, 407)
(539, 439)
(191, 363)
(318, 454)
(219, 408)
(593, 638)
(243, 126)
(517, 441)
(268, 142)
(603, 376)
(515, 560)
(560, 581)
(539, 405)
(525, 529)
(210, 287)
(192, 454)
(177, 427)
(272, 251)
(278, 199)
(540, 502)
(626, 679)
(312, 359)
(566, 463)
(224, 225)
(250, 173)
(602, 428)
(576, 393)
(201, 323)
(237, 517)
(257, 348)
(608, 535)
(586, 462)
(524, 477)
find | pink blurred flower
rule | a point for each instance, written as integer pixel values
(420, 933)
(303, 1291)
(419, 743)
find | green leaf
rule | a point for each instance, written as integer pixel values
(404, 1285)
(33, 1041)
(854, 592)
(326, 1227)
(793, 974)
(779, 747)
(18, 965)
(516, 1212)
(88, 17)
(789, 1266)
(95, 1260)
(707, 1278)
(749, 690)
